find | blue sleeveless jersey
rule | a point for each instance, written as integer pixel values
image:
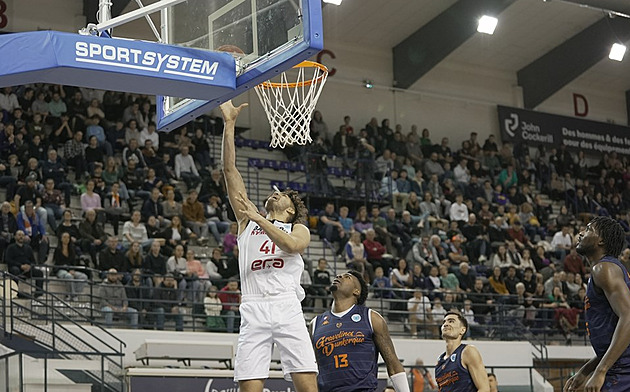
(451, 375)
(345, 351)
(601, 320)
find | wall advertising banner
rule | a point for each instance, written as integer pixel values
(207, 384)
(550, 130)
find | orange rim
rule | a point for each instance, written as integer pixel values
(303, 64)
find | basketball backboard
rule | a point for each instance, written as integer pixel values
(274, 35)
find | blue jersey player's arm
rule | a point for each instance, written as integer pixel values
(385, 346)
(471, 360)
(609, 278)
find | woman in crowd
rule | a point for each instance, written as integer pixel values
(67, 265)
(356, 257)
(175, 234)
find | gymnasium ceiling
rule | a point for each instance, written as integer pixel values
(534, 38)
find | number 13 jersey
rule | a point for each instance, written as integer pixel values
(265, 268)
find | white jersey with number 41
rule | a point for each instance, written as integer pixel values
(265, 268)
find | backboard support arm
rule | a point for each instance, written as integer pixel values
(106, 23)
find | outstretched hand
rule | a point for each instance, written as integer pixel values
(247, 208)
(230, 113)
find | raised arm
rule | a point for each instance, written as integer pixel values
(471, 359)
(609, 278)
(233, 179)
(385, 346)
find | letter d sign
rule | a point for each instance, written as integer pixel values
(580, 110)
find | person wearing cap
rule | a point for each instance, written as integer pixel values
(114, 300)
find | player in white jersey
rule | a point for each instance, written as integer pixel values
(270, 267)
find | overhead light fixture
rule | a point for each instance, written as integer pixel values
(335, 2)
(368, 84)
(487, 24)
(617, 51)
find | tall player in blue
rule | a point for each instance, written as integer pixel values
(460, 368)
(348, 339)
(607, 309)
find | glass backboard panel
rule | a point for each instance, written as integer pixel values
(273, 35)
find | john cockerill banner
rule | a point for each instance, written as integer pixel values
(534, 128)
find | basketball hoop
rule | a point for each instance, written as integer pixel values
(289, 105)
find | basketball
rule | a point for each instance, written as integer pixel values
(230, 49)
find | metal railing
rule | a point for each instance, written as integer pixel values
(49, 320)
(501, 319)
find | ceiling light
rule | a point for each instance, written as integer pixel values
(617, 51)
(487, 24)
(335, 2)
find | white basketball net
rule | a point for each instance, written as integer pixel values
(289, 105)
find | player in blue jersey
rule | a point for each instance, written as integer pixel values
(460, 368)
(348, 339)
(607, 309)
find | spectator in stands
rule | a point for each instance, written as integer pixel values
(91, 200)
(517, 235)
(402, 278)
(230, 296)
(356, 257)
(195, 269)
(113, 257)
(361, 221)
(477, 239)
(193, 214)
(68, 267)
(562, 242)
(448, 280)
(175, 234)
(513, 255)
(8, 227)
(93, 154)
(115, 206)
(133, 257)
(456, 252)
(230, 238)
(133, 153)
(384, 164)
(214, 213)
(55, 169)
(21, 262)
(93, 235)
(94, 129)
(330, 229)
(185, 169)
(34, 231)
(53, 203)
(511, 280)
(168, 304)
(212, 307)
(220, 268)
(574, 263)
(382, 285)
(29, 192)
(419, 308)
(171, 207)
(154, 264)
(497, 283)
(153, 207)
(135, 230)
(374, 249)
(114, 300)
(421, 253)
(74, 154)
(139, 295)
(433, 166)
(440, 254)
(500, 258)
(365, 166)
(466, 277)
(215, 186)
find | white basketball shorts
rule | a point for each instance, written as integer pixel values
(266, 320)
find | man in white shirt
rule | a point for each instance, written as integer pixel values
(149, 134)
(461, 173)
(562, 242)
(8, 100)
(185, 169)
(419, 307)
(459, 211)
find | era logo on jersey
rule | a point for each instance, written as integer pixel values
(260, 264)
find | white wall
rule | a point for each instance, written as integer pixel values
(32, 15)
